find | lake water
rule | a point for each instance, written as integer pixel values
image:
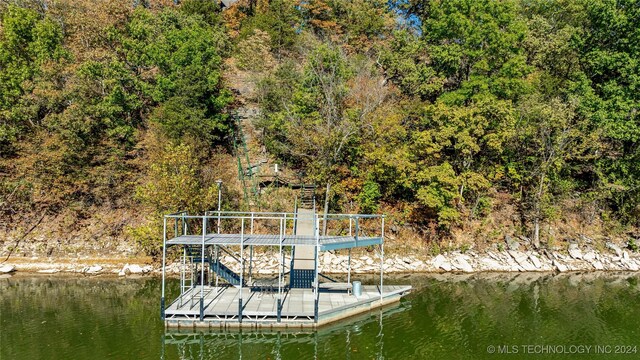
(482, 316)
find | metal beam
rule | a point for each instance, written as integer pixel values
(164, 260)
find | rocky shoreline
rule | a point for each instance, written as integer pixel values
(575, 258)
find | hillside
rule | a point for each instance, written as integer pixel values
(469, 123)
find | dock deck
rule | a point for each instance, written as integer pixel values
(259, 309)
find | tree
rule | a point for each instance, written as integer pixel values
(551, 136)
(318, 125)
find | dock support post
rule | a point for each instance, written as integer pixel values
(317, 281)
(315, 311)
(381, 258)
(279, 309)
(164, 260)
(251, 253)
(241, 270)
(204, 233)
(280, 264)
(357, 230)
(349, 268)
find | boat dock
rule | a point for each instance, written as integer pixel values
(228, 295)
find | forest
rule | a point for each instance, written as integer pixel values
(464, 121)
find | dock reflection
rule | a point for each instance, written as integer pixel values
(334, 340)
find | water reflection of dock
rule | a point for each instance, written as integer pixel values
(241, 343)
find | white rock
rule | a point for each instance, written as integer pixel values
(560, 266)
(49, 271)
(93, 269)
(625, 255)
(575, 252)
(491, 264)
(134, 269)
(461, 264)
(438, 260)
(589, 256)
(535, 261)
(5, 269)
(598, 265)
(615, 248)
(446, 266)
(369, 261)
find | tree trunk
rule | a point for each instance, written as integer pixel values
(326, 208)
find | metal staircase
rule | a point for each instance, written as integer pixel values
(214, 265)
(307, 196)
(247, 173)
(225, 273)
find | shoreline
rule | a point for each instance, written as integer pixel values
(506, 261)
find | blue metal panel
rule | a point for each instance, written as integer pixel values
(351, 244)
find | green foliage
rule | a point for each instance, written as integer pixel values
(279, 20)
(369, 197)
(441, 110)
(27, 42)
(173, 183)
(466, 48)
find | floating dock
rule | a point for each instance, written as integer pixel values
(229, 295)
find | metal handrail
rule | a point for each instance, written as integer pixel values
(270, 215)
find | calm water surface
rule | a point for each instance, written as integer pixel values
(490, 316)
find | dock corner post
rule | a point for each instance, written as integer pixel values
(164, 259)
(315, 311)
(381, 269)
(279, 310)
(204, 233)
(201, 309)
(317, 280)
(241, 269)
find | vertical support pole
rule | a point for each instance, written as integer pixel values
(381, 258)
(350, 225)
(251, 253)
(241, 270)
(295, 217)
(349, 268)
(316, 281)
(204, 234)
(357, 229)
(183, 272)
(279, 310)
(280, 237)
(164, 260)
(250, 264)
(217, 265)
(219, 182)
(284, 234)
